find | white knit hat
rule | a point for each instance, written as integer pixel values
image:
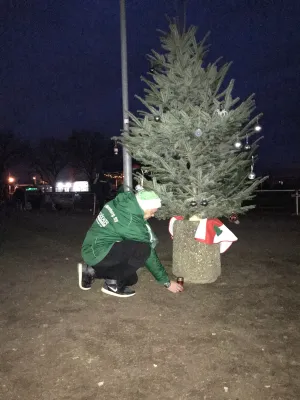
(148, 200)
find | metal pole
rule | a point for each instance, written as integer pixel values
(184, 15)
(181, 11)
(94, 204)
(127, 163)
(297, 202)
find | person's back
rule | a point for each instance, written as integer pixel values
(18, 198)
(121, 218)
(100, 188)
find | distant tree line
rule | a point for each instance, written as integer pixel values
(85, 151)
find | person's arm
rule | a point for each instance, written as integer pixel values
(160, 274)
(156, 268)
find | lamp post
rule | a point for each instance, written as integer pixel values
(10, 180)
(127, 163)
(181, 11)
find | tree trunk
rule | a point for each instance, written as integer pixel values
(196, 262)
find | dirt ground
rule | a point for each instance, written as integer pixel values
(236, 339)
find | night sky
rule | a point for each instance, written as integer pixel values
(60, 63)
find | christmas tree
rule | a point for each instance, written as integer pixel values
(194, 137)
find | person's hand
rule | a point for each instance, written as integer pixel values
(175, 287)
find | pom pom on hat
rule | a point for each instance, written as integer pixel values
(148, 200)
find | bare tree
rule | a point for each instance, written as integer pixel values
(12, 150)
(88, 152)
(49, 158)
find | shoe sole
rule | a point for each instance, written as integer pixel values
(79, 270)
(103, 290)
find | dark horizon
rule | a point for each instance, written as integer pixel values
(60, 64)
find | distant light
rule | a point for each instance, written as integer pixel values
(11, 179)
(60, 185)
(68, 184)
(80, 186)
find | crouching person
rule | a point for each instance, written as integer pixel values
(119, 242)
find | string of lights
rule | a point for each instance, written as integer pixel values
(113, 175)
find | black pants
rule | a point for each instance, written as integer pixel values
(122, 262)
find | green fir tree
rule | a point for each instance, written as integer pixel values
(188, 139)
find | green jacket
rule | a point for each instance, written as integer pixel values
(121, 219)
